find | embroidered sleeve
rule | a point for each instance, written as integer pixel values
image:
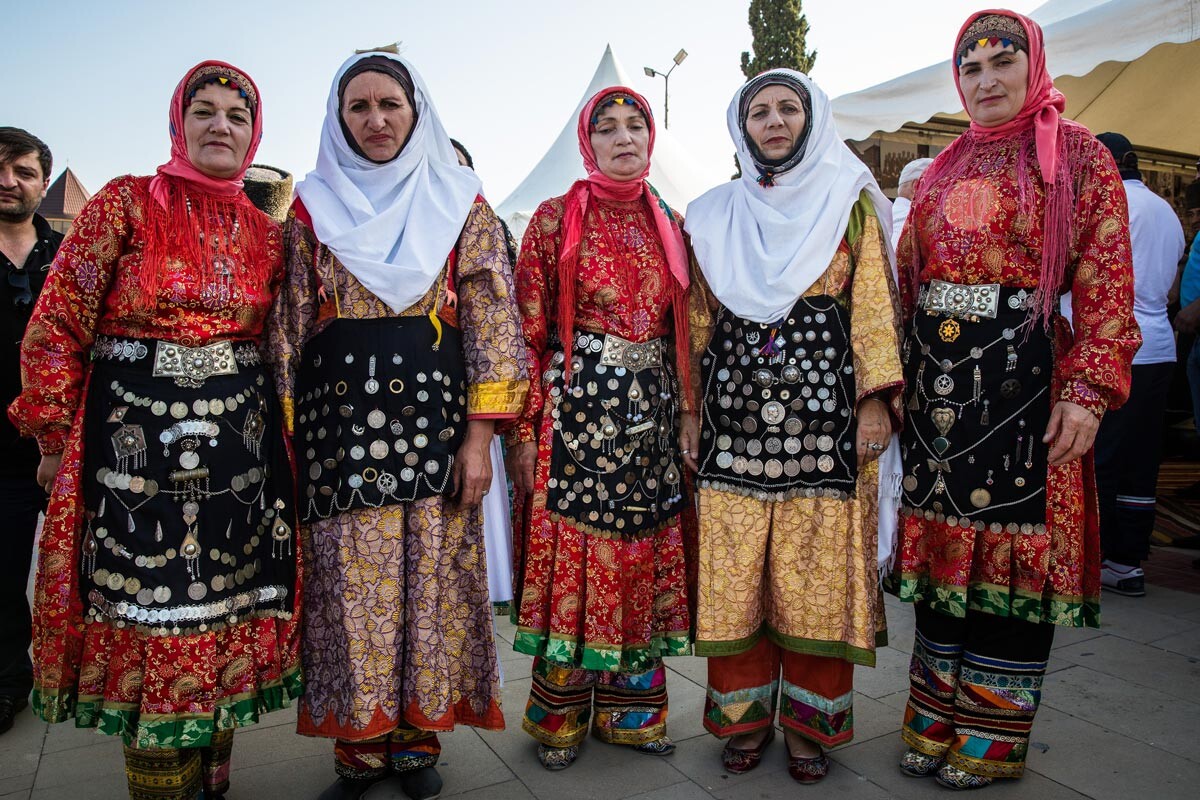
(54, 352)
(488, 317)
(1096, 370)
(702, 319)
(874, 312)
(536, 262)
(290, 322)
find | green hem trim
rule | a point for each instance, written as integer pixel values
(167, 731)
(599, 655)
(819, 647)
(1068, 611)
(727, 647)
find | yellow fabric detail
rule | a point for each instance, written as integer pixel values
(497, 397)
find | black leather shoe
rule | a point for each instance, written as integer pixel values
(421, 784)
(10, 706)
(347, 788)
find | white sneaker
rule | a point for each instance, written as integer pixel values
(1121, 579)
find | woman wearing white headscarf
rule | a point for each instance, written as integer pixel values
(396, 345)
(801, 384)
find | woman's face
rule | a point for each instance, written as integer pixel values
(217, 128)
(377, 113)
(621, 142)
(994, 80)
(775, 122)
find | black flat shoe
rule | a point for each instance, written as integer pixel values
(10, 706)
(347, 788)
(421, 784)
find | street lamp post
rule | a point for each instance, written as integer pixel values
(666, 76)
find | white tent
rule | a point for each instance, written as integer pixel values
(1124, 65)
(671, 170)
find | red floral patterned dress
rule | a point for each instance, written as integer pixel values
(976, 230)
(158, 691)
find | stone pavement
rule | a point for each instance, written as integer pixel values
(1120, 719)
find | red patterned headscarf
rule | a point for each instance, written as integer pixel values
(199, 215)
(597, 184)
(1041, 115)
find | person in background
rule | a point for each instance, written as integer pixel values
(1129, 442)
(912, 171)
(27, 246)
(269, 189)
(1187, 321)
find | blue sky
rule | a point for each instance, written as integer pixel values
(94, 78)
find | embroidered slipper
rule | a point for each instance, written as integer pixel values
(955, 778)
(808, 770)
(556, 758)
(916, 764)
(659, 747)
(739, 761)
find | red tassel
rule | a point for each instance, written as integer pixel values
(198, 229)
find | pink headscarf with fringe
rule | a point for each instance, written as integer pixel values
(180, 165)
(196, 216)
(1042, 112)
(575, 208)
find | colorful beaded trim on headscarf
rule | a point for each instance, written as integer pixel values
(615, 100)
(990, 30)
(767, 170)
(225, 77)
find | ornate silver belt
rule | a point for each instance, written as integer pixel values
(189, 366)
(617, 352)
(960, 300)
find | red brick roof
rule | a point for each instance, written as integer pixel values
(65, 197)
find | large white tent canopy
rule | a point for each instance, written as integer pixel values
(671, 170)
(1126, 65)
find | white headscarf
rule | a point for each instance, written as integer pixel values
(391, 225)
(762, 247)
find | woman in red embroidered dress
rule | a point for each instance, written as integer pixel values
(601, 579)
(167, 577)
(999, 538)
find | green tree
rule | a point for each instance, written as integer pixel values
(779, 28)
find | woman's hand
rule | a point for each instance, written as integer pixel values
(874, 428)
(519, 463)
(1072, 430)
(473, 464)
(47, 469)
(689, 440)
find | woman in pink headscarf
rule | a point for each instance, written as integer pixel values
(166, 586)
(601, 581)
(999, 538)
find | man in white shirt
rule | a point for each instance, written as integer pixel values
(1129, 443)
(904, 194)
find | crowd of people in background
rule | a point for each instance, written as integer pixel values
(273, 429)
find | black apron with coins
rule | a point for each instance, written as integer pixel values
(187, 490)
(977, 374)
(381, 410)
(614, 464)
(778, 404)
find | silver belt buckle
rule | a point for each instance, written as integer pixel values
(633, 356)
(191, 366)
(961, 300)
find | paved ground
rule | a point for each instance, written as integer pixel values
(1121, 719)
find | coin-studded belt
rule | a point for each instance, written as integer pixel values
(188, 366)
(617, 352)
(963, 300)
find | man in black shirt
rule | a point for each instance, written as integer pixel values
(27, 246)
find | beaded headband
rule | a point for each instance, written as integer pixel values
(225, 77)
(993, 29)
(618, 100)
